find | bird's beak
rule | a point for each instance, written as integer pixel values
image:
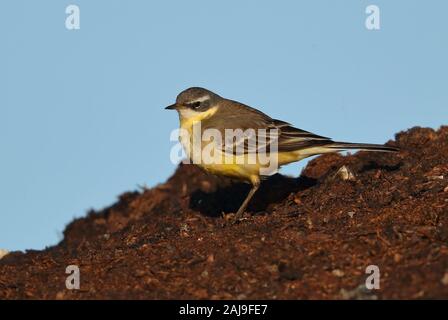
(172, 107)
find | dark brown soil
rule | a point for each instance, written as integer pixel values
(310, 237)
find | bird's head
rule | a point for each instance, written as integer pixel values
(194, 101)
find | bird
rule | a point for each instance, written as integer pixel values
(199, 106)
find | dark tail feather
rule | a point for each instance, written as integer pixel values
(362, 146)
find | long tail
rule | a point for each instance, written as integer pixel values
(361, 146)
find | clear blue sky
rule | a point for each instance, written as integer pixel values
(81, 112)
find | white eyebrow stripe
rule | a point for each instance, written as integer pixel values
(202, 99)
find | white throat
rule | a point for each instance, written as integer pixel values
(186, 114)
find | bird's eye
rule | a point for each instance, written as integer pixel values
(195, 105)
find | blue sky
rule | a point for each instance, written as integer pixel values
(81, 111)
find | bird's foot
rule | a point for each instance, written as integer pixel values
(233, 218)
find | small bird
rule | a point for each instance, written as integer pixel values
(198, 105)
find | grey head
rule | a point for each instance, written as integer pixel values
(196, 100)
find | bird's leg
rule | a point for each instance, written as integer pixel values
(243, 207)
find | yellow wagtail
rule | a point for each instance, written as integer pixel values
(251, 133)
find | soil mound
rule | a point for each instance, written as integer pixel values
(308, 237)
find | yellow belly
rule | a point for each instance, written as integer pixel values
(244, 172)
(242, 169)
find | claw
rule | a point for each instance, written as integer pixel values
(233, 218)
